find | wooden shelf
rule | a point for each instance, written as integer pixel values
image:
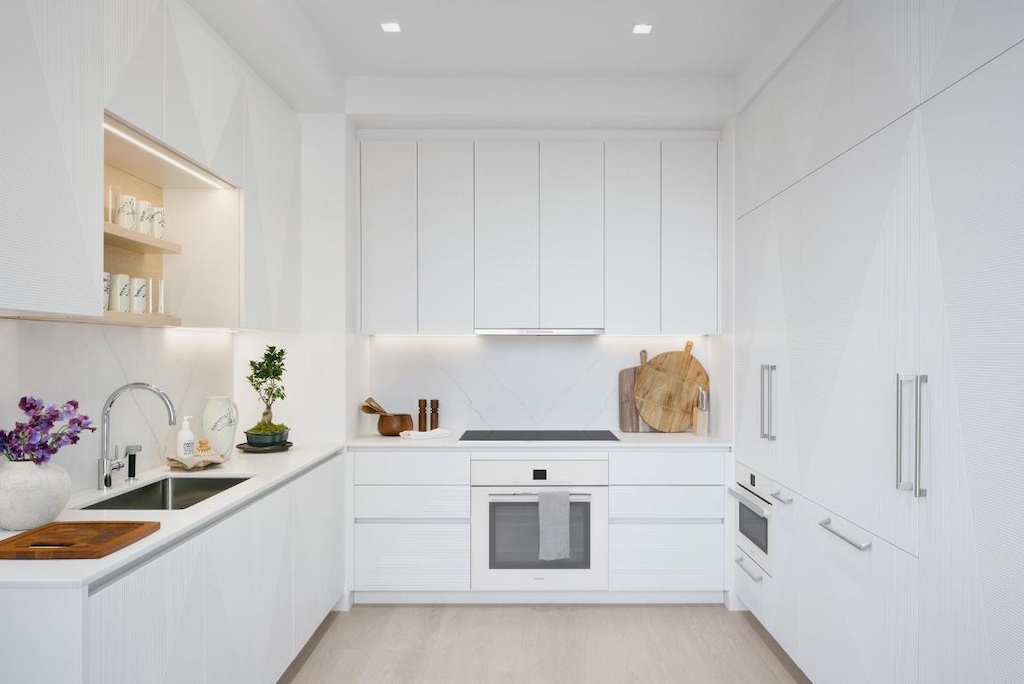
(137, 242)
(116, 318)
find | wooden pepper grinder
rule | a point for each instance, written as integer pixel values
(423, 415)
(434, 403)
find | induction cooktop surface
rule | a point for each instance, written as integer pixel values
(538, 436)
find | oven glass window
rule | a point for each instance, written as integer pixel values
(515, 536)
(754, 527)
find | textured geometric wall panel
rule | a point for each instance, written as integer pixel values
(133, 62)
(50, 144)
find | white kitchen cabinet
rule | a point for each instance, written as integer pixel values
(659, 502)
(204, 97)
(780, 611)
(507, 234)
(445, 237)
(409, 468)
(411, 501)
(665, 556)
(858, 607)
(134, 56)
(632, 215)
(271, 257)
(571, 234)
(667, 468)
(51, 136)
(388, 234)
(427, 556)
(689, 237)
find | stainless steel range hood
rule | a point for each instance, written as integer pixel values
(547, 332)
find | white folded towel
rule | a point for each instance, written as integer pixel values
(553, 514)
(433, 434)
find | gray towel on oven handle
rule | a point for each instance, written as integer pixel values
(553, 512)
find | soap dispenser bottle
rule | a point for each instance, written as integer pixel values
(186, 440)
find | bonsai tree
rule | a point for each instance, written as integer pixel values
(265, 377)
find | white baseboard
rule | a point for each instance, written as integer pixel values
(344, 604)
(470, 597)
(733, 602)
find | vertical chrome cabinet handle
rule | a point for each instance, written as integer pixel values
(918, 491)
(771, 402)
(860, 546)
(764, 369)
(900, 484)
(777, 495)
(756, 578)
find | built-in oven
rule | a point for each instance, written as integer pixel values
(752, 493)
(506, 522)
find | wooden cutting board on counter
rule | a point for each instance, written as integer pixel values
(75, 540)
(629, 418)
(668, 390)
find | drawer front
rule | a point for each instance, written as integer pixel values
(411, 468)
(540, 473)
(670, 468)
(665, 557)
(405, 502)
(640, 503)
(750, 583)
(411, 557)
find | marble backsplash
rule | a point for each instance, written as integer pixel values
(512, 382)
(61, 361)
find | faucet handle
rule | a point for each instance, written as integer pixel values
(131, 451)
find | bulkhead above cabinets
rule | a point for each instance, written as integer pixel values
(613, 233)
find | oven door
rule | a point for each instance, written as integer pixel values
(753, 526)
(506, 538)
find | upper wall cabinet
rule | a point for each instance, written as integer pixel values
(51, 163)
(507, 234)
(134, 47)
(388, 211)
(445, 237)
(556, 234)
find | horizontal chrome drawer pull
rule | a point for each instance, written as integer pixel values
(860, 546)
(756, 578)
(757, 508)
(778, 497)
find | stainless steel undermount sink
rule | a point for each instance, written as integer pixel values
(168, 494)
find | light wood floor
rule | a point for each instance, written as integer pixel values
(540, 644)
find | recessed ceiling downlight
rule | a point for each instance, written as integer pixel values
(642, 28)
(391, 27)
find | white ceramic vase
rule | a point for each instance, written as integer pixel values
(219, 421)
(31, 495)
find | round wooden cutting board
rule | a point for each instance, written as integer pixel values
(667, 390)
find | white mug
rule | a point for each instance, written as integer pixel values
(144, 217)
(158, 221)
(139, 291)
(120, 285)
(126, 209)
(106, 290)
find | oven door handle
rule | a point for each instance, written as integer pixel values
(759, 510)
(528, 497)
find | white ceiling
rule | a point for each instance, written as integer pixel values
(546, 37)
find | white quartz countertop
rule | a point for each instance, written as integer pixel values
(266, 472)
(627, 441)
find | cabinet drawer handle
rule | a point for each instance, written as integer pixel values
(755, 508)
(756, 578)
(860, 546)
(778, 497)
(764, 433)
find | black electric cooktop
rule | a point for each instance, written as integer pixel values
(538, 436)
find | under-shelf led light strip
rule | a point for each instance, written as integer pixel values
(206, 178)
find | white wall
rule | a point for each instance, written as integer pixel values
(513, 382)
(467, 102)
(60, 361)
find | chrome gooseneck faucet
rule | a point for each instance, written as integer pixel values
(108, 464)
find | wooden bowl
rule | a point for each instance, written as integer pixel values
(391, 424)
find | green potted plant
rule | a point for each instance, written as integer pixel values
(265, 377)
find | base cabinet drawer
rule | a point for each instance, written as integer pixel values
(665, 556)
(678, 468)
(858, 603)
(411, 468)
(752, 585)
(382, 501)
(411, 556)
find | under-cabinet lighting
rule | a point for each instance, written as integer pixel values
(143, 145)
(539, 331)
(391, 27)
(642, 29)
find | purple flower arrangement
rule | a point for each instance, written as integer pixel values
(37, 440)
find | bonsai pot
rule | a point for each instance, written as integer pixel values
(260, 440)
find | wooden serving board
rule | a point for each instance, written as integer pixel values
(667, 390)
(629, 418)
(73, 540)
